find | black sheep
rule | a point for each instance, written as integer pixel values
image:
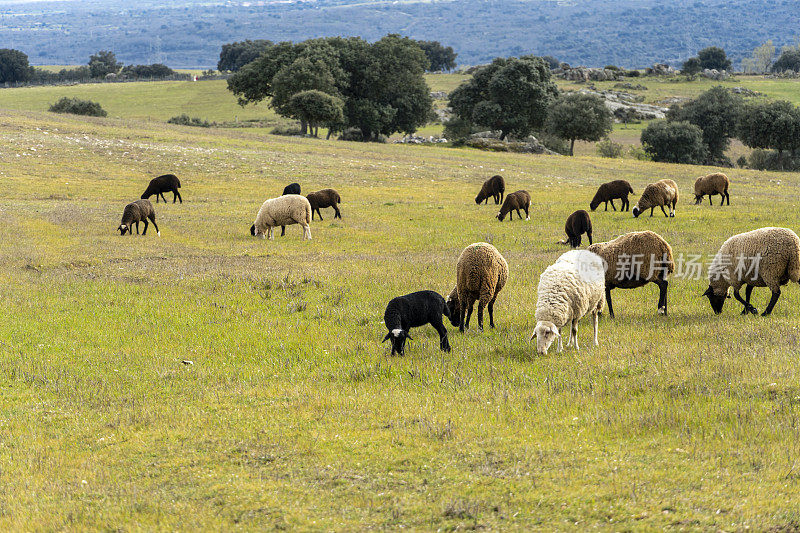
(322, 199)
(577, 224)
(162, 184)
(135, 212)
(292, 188)
(412, 311)
(494, 187)
(608, 192)
(514, 202)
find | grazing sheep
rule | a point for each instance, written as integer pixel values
(412, 311)
(568, 290)
(710, 185)
(766, 257)
(658, 194)
(494, 187)
(481, 273)
(577, 224)
(135, 212)
(322, 199)
(292, 188)
(514, 202)
(282, 211)
(636, 259)
(608, 192)
(162, 184)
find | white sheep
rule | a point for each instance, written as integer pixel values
(568, 289)
(282, 211)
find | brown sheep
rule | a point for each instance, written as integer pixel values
(135, 212)
(514, 202)
(481, 274)
(577, 224)
(710, 185)
(322, 199)
(659, 194)
(608, 192)
(494, 187)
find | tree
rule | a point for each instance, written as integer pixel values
(673, 142)
(579, 116)
(716, 113)
(761, 59)
(789, 60)
(236, 55)
(300, 76)
(552, 62)
(770, 125)
(691, 66)
(103, 63)
(317, 109)
(714, 57)
(14, 66)
(440, 58)
(511, 95)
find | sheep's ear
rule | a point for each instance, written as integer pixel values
(555, 331)
(253, 230)
(532, 336)
(387, 337)
(409, 337)
(708, 292)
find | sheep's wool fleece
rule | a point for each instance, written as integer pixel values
(662, 192)
(779, 249)
(570, 288)
(283, 211)
(480, 269)
(653, 254)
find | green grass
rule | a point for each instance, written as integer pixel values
(293, 414)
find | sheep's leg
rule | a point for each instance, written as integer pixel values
(741, 301)
(283, 231)
(137, 227)
(663, 285)
(490, 307)
(176, 196)
(153, 220)
(674, 206)
(519, 215)
(501, 198)
(664, 211)
(608, 301)
(575, 334)
(271, 234)
(527, 213)
(613, 206)
(589, 234)
(306, 232)
(485, 298)
(146, 223)
(606, 205)
(776, 293)
(338, 213)
(320, 214)
(461, 313)
(748, 290)
(444, 345)
(710, 199)
(651, 211)
(469, 311)
(595, 325)
(625, 204)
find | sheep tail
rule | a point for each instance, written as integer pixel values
(794, 267)
(308, 213)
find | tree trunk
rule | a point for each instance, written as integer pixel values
(503, 135)
(572, 147)
(328, 136)
(303, 127)
(316, 131)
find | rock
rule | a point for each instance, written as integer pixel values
(714, 74)
(744, 91)
(439, 95)
(490, 141)
(630, 86)
(584, 74)
(627, 107)
(660, 69)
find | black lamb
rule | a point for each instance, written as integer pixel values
(608, 192)
(292, 188)
(412, 311)
(577, 224)
(162, 184)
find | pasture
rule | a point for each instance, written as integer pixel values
(292, 414)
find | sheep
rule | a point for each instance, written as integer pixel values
(481, 273)
(292, 188)
(568, 290)
(608, 192)
(135, 212)
(322, 199)
(282, 211)
(710, 185)
(494, 187)
(514, 202)
(162, 184)
(577, 224)
(766, 257)
(636, 259)
(658, 194)
(412, 311)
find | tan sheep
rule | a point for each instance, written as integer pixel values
(282, 211)
(481, 274)
(659, 194)
(710, 185)
(766, 257)
(636, 259)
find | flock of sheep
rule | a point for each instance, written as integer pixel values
(580, 281)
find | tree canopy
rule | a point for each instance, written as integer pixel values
(440, 57)
(770, 125)
(236, 55)
(510, 95)
(103, 63)
(714, 57)
(579, 116)
(673, 142)
(317, 108)
(14, 66)
(789, 60)
(716, 113)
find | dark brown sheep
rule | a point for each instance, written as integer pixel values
(608, 192)
(135, 212)
(710, 185)
(494, 187)
(514, 202)
(322, 199)
(162, 184)
(577, 224)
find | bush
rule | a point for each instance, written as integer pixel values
(741, 162)
(633, 73)
(674, 142)
(612, 67)
(76, 106)
(186, 120)
(608, 148)
(637, 152)
(290, 131)
(352, 134)
(457, 129)
(552, 142)
(773, 160)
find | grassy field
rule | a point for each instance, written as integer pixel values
(294, 416)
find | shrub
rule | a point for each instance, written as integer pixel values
(674, 142)
(638, 153)
(633, 73)
(773, 160)
(608, 148)
(351, 134)
(612, 67)
(288, 130)
(552, 142)
(741, 162)
(76, 106)
(186, 120)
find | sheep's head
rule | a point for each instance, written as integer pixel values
(479, 198)
(545, 333)
(636, 211)
(594, 203)
(698, 198)
(398, 337)
(500, 216)
(717, 300)
(455, 310)
(123, 228)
